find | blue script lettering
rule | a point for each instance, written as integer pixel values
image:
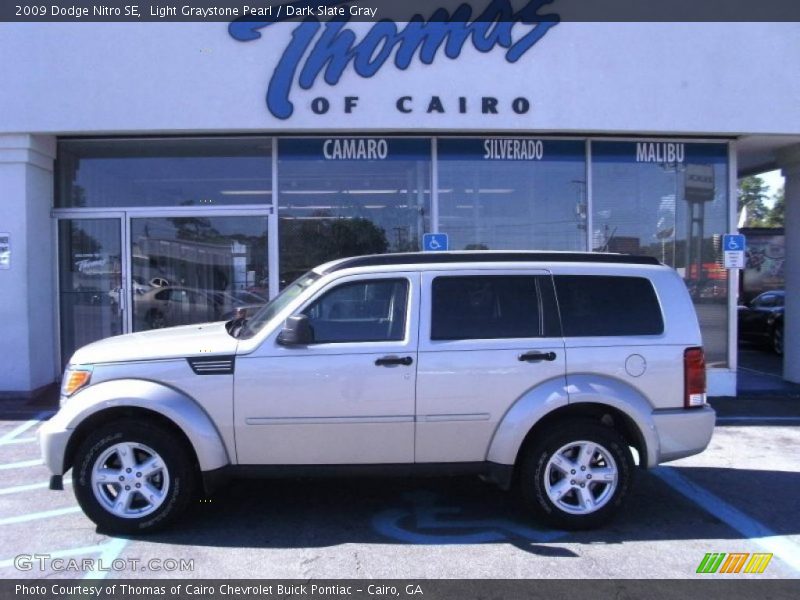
(330, 48)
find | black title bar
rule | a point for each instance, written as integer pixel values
(400, 10)
(710, 588)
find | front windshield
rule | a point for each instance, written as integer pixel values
(254, 324)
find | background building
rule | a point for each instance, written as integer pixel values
(155, 174)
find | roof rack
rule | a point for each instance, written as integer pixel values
(484, 256)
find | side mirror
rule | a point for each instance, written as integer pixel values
(297, 331)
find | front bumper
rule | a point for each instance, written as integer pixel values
(683, 432)
(53, 439)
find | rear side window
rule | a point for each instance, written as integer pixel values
(485, 307)
(596, 305)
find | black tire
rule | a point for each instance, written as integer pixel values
(777, 339)
(156, 320)
(179, 484)
(534, 470)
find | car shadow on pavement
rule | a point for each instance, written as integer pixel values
(292, 513)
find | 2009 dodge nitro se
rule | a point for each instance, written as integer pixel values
(558, 371)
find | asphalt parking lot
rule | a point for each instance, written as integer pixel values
(741, 496)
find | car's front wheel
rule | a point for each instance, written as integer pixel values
(131, 477)
(577, 476)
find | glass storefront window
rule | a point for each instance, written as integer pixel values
(90, 276)
(512, 193)
(343, 197)
(197, 269)
(164, 172)
(669, 200)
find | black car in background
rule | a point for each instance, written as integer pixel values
(761, 320)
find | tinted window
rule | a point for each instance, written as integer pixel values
(363, 311)
(599, 305)
(485, 307)
(767, 301)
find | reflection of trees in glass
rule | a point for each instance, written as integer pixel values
(776, 214)
(195, 229)
(77, 196)
(307, 243)
(753, 192)
(82, 242)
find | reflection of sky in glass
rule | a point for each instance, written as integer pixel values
(641, 207)
(631, 199)
(393, 193)
(512, 204)
(165, 172)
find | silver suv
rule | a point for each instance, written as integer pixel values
(557, 372)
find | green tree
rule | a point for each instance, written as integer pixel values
(752, 194)
(776, 214)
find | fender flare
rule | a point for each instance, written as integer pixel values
(526, 411)
(172, 404)
(598, 389)
(554, 394)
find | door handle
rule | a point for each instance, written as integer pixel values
(394, 360)
(534, 356)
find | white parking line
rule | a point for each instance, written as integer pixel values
(761, 372)
(25, 440)
(39, 515)
(24, 427)
(780, 546)
(9, 562)
(30, 486)
(110, 552)
(21, 464)
(759, 419)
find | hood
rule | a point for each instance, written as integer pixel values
(206, 339)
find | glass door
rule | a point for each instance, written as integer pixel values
(90, 281)
(195, 267)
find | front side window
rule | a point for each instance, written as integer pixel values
(598, 305)
(361, 311)
(485, 307)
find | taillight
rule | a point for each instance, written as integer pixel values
(694, 378)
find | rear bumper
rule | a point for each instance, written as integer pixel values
(683, 432)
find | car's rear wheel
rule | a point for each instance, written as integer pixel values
(133, 478)
(577, 476)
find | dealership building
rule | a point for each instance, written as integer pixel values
(154, 174)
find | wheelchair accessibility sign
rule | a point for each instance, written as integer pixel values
(733, 247)
(434, 242)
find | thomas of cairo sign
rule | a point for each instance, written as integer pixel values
(329, 49)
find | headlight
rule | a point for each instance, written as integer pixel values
(75, 378)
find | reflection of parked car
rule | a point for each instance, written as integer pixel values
(168, 306)
(235, 303)
(544, 369)
(138, 287)
(712, 290)
(761, 320)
